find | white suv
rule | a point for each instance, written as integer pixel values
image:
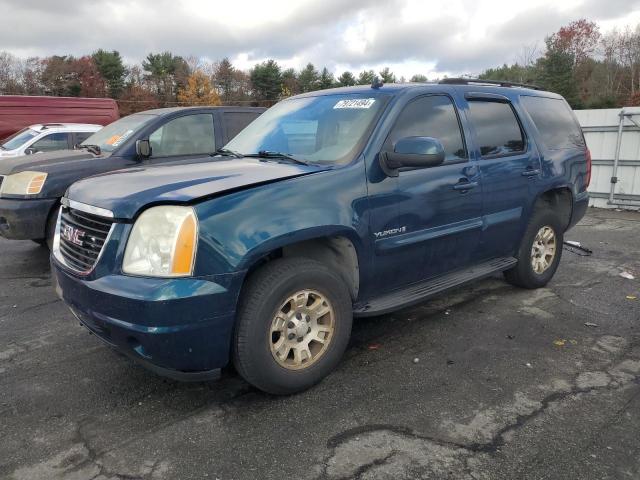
(46, 137)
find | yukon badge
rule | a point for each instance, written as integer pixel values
(391, 231)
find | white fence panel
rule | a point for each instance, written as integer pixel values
(601, 129)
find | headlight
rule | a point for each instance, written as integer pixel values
(23, 183)
(162, 243)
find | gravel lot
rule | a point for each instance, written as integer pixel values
(509, 384)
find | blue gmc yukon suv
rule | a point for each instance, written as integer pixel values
(332, 204)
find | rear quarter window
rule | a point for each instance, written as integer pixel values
(554, 121)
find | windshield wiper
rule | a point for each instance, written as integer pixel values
(268, 154)
(95, 149)
(225, 152)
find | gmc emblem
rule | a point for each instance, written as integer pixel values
(73, 235)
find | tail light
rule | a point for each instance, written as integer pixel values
(587, 154)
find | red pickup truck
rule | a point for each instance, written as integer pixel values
(17, 112)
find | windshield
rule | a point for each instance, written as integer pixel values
(113, 135)
(323, 129)
(19, 139)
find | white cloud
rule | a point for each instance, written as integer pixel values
(432, 37)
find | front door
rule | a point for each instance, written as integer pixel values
(426, 222)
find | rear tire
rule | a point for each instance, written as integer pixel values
(540, 251)
(293, 325)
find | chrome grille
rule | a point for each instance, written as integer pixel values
(82, 237)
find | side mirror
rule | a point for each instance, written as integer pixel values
(143, 148)
(30, 151)
(412, 152)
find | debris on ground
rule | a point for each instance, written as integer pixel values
(559, 343)
(627, 275)
(590, 324)
(511, 337)
(528, 365)
(416, 360)
(450, 362)
(577, 248)
(374, 346)
(631, 297)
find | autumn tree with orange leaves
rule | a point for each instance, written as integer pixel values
(198, 91)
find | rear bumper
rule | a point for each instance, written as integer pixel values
(23, 219)
(178, 328)
(580, 205)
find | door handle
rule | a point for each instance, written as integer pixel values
(531, 172)
(465, 185)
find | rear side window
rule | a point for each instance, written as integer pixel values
(555, 122)
(497, 128)
(82, 136)
(236, 121)
(431, 116)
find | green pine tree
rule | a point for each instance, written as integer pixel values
(266, 79)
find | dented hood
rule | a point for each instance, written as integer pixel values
(125, 192)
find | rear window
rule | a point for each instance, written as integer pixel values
(497, 128)
(236, 121)
(555, 122)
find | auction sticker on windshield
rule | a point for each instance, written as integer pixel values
(122, 138)
(355, 103)
(117, 139)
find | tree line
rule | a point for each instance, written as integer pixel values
(164, 79)
(589, 69)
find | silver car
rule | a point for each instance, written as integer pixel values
(46, 137)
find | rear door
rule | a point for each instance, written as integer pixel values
(509, 165)
(427, 222)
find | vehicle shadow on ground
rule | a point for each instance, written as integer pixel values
(390, 332)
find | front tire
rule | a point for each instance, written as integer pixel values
(540, 251)
(50, 230)
(293, 326)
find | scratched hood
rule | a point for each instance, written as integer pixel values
(125, 192)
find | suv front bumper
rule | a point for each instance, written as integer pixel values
(25, 219)
(179, 328)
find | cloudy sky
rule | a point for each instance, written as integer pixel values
(432, 37)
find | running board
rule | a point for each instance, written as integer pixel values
(419, 291)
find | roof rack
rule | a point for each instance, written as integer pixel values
(49, 125)
(477, 81)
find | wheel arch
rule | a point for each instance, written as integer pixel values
(340, 249)
(560, 199)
